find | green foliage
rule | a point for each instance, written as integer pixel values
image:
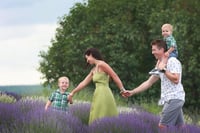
(7, 99)
(123, 30)
(152, 107)
(192, 115)
(46, 92)
(84, 95)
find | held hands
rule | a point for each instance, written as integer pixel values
(69, 98)
(122, 91)
(127, 93)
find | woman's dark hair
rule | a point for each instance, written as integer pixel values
(94, 52)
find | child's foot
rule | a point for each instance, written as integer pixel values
(154, 71)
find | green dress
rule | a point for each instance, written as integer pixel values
(103, 103)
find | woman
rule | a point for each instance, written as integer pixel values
(103, 103)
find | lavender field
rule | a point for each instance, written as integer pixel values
(27, 115)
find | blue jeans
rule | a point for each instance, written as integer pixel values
(173, 54)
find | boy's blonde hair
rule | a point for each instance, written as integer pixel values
(168, 26)
(63, 77)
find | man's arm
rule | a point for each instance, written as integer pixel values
(144, 86)
(173, 77)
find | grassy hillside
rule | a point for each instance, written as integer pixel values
(23, 89)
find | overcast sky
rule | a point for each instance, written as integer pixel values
(26, 28)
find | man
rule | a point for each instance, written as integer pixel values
(172, 92)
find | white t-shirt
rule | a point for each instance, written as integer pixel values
(170, 90)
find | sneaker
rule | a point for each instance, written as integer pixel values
(154, 72)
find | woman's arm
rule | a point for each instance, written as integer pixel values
(82, 84)
(107, 69)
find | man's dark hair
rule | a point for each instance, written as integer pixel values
(160, 44)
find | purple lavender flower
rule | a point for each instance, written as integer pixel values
(12, 94)
(29, 116)
(81, 111)
(124, 123)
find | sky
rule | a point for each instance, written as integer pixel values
(26, 28)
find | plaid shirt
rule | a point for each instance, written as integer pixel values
(171, 42)
(59, 100)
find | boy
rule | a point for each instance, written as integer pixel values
(59, 98)
(172, 51)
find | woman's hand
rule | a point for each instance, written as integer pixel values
(128, 93)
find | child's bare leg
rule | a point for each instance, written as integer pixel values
(164, 60)
(158, 61)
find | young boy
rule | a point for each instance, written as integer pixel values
(59, 98)
(172, 51)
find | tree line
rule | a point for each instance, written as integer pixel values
(122, 30)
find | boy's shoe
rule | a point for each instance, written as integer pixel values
(154, 71)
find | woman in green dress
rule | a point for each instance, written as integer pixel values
(103, 102)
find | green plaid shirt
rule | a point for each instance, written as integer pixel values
(59, 100)
(171, 42)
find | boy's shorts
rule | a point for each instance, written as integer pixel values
(173, 54)
(172, 113)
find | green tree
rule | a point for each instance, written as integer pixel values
(123, 30)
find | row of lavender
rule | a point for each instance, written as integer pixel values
(29, 116)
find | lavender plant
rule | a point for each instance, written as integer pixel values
(9, 97)
(124, 123)
(81, 111)
(12, 94)
(29, 116)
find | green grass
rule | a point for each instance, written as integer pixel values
(7, 99)
(84, 95)
(152, 107)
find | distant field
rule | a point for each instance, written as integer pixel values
(23, 89)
